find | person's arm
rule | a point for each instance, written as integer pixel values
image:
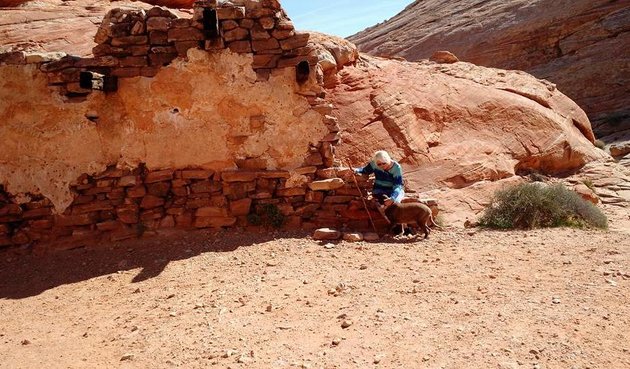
(398, 190)
(366, 170)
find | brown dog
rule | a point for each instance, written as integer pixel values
(411, 212)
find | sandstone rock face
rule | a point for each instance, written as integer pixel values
(459, 125)
(579, 45)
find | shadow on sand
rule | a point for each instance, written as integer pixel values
(27, 275)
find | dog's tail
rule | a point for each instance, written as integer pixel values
(433, 224)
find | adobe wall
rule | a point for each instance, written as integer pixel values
(171, 125)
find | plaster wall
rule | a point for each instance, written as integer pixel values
(205, 112)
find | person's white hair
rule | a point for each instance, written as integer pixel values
(382, 157)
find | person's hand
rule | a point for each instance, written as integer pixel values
(388, 202)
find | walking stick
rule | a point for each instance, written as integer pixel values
(356, 183)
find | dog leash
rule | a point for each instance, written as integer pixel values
(356, 184)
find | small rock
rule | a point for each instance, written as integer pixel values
(346, 323)
(243, 359)
(586, 193)
(336, 341)
(269, 308)
(611, 282)
(25, 342)
(127, 357)
(555, 300)
(326, 234)
(329, 246)
(444, 57)
(172, 314)
(353, 237)
(370, 236)
(363, 267)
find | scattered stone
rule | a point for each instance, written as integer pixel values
(336, 341)
(346, 323)
(244, 359)
(25, 342)
(586, 193)
(353, 237)
(370, 236)
(127, 357)
(326, 234)
(555, 300)
(329, 246)
(363, 267)
(611, 282)
(444, 57)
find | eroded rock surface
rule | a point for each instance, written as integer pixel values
(459, 125)
(581, 46)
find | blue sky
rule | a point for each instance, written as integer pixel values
(341, 17)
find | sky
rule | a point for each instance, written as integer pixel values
(341, 17)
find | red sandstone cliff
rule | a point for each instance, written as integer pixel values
(582, 46)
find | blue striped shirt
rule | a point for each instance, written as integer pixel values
(387, 182)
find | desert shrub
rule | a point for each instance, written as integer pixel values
(269, 215)
(588, 183)
(254, 219)
(600, 144)
(533, 205)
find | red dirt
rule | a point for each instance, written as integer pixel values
(463, 299)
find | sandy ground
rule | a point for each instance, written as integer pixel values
(462, 299)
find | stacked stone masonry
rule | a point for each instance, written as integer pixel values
(133, 43)
(120, 204)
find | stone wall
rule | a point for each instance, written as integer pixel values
(134, 43)
(119, 204)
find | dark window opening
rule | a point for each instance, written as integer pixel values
(302, 72)
(210, 23)
(85, 80)
(97, 81)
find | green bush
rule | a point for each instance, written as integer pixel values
(534, 205)
(269, 215)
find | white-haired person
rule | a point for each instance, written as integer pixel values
(388, 178)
